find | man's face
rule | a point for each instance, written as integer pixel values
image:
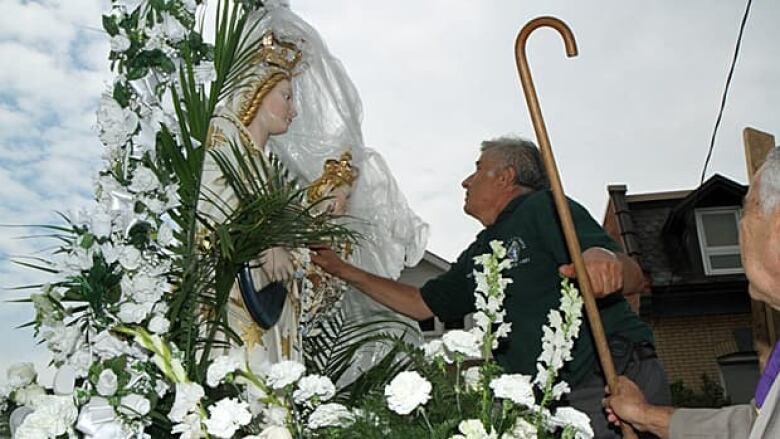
(760, 247)
(482, 187)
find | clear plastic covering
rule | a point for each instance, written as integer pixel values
(328, 124)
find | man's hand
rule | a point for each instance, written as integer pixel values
(628, 404)
(330, 262)
(604, 269)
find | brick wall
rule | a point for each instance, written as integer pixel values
(690, 346)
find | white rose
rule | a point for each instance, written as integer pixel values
(159, 324)
(132, 312)
(173, 29)
(407, 391)
(515, 387)
(188, 395)
(130, 257)
(330, 415)
(144, 180)
(314, 386)
(120, 42)
(204, 72)
(275, 432)
(571, 417)
(134, 406)
(107, 383)
(284, 373)
(227, 416)
(26, 395)
(115, 123)
(165, 235)
(21, 374)
(463, 342)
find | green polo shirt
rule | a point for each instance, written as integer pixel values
(530, 229)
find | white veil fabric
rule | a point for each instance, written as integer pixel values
(328, 124)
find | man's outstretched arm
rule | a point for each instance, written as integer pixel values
(399, 297)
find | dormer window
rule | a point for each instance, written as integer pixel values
(718, 230)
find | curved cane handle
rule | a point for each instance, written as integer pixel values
(561, 204)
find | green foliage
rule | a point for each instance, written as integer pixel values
(712, 394)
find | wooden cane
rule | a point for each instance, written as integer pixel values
(561, 204)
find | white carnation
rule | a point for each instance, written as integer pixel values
(521, 430)
(26, 395)
(107, 383)
(330, 415)
(53, 416)
(407, 391)
(106, 346)
(221, 367)
(435, 349)
(190, 427)
(574, 419)
(284, 373)
(473, 429)
(227, 416)
(130, 257)
(132, 312)
(275, 432)
(120, 42)
(314, 386)
(514, 387)
(463, 342)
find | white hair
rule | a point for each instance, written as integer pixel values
(769, 190)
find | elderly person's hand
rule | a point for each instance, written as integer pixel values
(277, 264)
(605, 270)
(330, 262)
(626, 404)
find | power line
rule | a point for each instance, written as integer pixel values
(726, 90)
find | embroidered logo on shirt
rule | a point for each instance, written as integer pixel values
(517, 252)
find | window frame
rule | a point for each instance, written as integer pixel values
(708, 251)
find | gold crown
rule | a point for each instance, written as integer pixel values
(276, 53)
(335, 173)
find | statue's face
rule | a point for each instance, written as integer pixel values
(760, 248)
(277, 111)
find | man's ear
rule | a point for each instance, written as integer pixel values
(507, 176)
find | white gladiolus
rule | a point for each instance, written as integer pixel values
(188, 395)
(284, 373)
(107, 383)
(407, 391)
(144, 180)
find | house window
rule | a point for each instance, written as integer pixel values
(718, 230)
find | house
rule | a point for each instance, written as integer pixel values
(431, 266)
(687, 243)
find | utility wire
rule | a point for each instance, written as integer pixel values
(726, 90)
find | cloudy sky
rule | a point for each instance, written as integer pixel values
(636, 107)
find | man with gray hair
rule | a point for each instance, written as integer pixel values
(509, 194)
(760, 248)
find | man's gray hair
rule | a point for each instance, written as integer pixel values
(769, 190)
(521, 155)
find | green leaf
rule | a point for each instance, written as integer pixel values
(137, 72)
(121, 94)
(110, 25)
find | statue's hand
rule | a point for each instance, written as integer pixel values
(335, 200)
(277, 264)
